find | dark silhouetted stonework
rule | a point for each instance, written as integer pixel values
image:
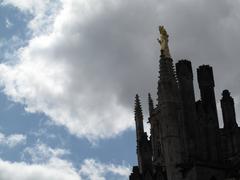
(186, 142)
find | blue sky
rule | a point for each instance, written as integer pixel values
(70, 69)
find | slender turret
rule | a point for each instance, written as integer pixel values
(206, 85)
(185, 80)
(144, 150)
(232, 144)
(139, 129)
(138, 118)
(228, 110)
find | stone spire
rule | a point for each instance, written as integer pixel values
(150, 104)
(171, 118)
(167, 78)
(138, 117)
(143, 144)
(167, 73)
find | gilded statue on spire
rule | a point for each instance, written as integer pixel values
(163, 41)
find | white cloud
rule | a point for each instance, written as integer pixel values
(43, 153)
(8, 48)
(59, 85)
(55, 169)
(42, 11)
(12, 140)
(48, 163)
(94, 170)
(27, 5)
(87, 59)
(49, 160)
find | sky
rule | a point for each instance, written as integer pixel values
(70, 69)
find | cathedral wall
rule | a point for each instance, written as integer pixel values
(209, 173)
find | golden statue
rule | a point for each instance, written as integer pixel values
(164, 42)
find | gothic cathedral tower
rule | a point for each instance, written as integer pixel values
(186, 142)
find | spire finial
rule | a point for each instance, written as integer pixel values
(163, 41)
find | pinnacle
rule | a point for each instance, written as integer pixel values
(138, 108)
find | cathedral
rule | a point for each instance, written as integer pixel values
(186, 142)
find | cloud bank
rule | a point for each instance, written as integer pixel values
(58, 169)
(87, 59)
(42, 162)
